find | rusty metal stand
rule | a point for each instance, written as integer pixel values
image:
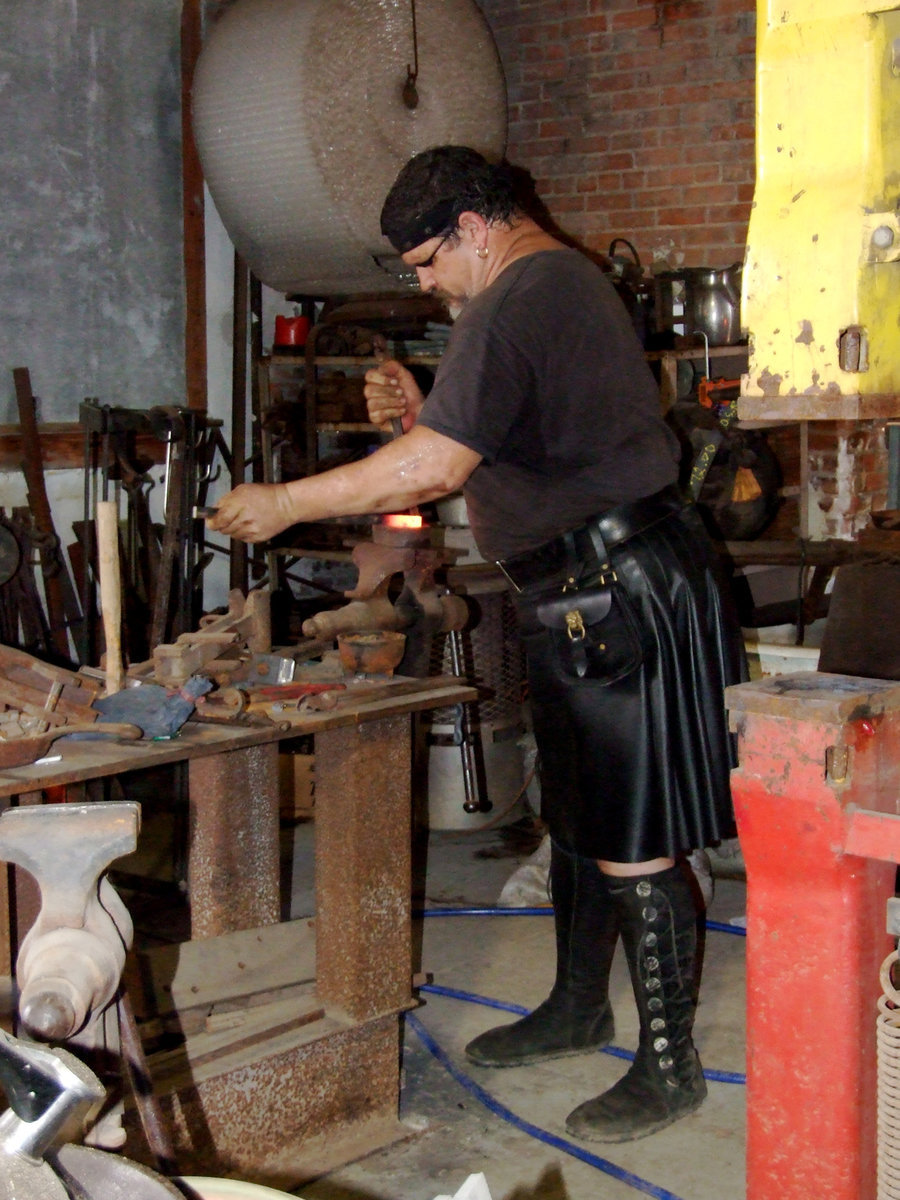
(816, 801)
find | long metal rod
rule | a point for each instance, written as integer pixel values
(239, 355)
(149, 1109)
(472, 801)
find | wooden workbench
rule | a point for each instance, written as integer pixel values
(303, 1071)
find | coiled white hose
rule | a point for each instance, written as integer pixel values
(888, 1051)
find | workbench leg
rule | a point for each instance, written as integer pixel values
(363, 872)
(233, 869)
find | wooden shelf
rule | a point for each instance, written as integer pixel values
(669, 359)
(62, 446)
(691, 352)
(346, 427)
(348, 360)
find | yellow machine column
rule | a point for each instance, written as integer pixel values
(821, 283)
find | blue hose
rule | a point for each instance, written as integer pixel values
(723, 927)
(500, 1110)
(542, 1135)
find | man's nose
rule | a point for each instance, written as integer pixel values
(427, 282)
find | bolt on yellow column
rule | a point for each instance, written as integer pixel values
(821, 280)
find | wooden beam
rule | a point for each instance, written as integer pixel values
(62, 446)
(195, 364)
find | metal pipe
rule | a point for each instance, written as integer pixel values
(149, 1109)
(472, 802)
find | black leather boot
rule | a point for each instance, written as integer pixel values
(657, 916)
(576, 1017)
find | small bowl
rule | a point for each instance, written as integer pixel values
(375, 653)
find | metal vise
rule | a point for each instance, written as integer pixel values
(70, 962)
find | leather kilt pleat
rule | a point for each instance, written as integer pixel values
(637, 767)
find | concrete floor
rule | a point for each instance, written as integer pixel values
(510, 1124)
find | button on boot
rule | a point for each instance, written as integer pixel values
(658, 922)
(576, 1017)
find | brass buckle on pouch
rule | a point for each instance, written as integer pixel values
(575, 625)
(574, 619)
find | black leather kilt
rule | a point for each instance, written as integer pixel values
(631, 639)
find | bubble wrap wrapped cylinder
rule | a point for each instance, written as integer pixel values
(301, 126)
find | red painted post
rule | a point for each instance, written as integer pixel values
(817, 797)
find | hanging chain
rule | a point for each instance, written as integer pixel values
(410, 91)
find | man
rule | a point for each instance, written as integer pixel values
(545, 413)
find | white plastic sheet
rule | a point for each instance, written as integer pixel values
(475, 1188)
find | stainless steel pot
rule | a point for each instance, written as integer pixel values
(712, 303)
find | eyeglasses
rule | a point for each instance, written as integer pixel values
(429, 261)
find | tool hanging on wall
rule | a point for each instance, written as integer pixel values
(62, 607)
(164, 563)
(23, 621)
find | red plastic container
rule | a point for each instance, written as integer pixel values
(291, 332)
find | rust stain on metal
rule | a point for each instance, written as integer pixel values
(234, 858)
(768, 383)
(363, 917)
(256, 1119)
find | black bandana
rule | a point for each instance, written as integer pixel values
(418, 229)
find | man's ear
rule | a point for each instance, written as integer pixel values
(472, 225)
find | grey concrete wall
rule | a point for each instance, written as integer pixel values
(91, 286)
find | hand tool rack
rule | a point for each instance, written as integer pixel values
(163, 564)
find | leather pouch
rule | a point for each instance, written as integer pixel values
(595, 633)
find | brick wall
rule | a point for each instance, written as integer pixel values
(848, 476)
(636, 119)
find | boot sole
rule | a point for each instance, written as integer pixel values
(587, 1134)
(527, 1060)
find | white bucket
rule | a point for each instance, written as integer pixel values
(504, 778)
(772, 658)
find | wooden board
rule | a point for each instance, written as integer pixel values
(227, 968)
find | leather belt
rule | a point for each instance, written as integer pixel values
(590, 543)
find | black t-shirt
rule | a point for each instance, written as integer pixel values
(545, 378)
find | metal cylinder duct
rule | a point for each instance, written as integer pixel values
(301, 126)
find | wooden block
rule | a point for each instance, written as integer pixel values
(296, 786)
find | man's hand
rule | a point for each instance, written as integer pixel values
(391, 391)
(253, 512)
